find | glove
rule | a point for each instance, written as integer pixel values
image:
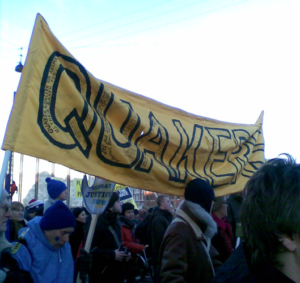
(84, 263)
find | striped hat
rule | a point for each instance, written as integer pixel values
(34, 205)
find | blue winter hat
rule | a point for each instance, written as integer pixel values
(200, 192)
(57, 216)
(55, 188)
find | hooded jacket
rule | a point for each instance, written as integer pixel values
(186, 252)
(45, 263)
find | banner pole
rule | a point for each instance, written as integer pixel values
(89, 239)
(4, 167)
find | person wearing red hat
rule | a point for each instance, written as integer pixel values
(34, 208)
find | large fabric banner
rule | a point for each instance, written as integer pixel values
(65, 115)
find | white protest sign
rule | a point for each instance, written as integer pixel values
(98, 195)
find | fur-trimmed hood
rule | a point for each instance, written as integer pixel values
(200, 214)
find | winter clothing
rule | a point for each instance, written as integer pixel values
(223, 240)
(114, 197)
(34, 206)
(58, 216)
(127, 206)
(15, 226)
(234, 206)
(76, 238)
(107, 239)
(186, 251)
(128, 238)
(14, 273)
(160, 221)
(200, 192)
(49, 202)
(129, 242)
(236, 269)
(143, 232)
(55, 188)
(43, 261)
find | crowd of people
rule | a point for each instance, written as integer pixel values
(249, 237)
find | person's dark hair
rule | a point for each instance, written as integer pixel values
(150, 210)
(160, 199)
(271, 208)
(136, 212)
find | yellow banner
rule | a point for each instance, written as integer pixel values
(65, 115)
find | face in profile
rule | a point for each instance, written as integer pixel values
(166, 203)
(117, 207)
(63, 196)
(82, 217)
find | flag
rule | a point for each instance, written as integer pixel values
(63, 114)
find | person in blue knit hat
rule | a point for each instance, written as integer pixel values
(43, 248)
(57, 190)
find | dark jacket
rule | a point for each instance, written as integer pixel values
(141, 231)
(15, 226)
(15, 274)
(238, 269)
(233, 214)
(77, 238)
(104, 267)
(186, 253)
(160, 221)
(223, 241)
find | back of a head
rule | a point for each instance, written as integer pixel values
(271, 208)
(200, 192)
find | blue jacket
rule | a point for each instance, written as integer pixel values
(45, 263)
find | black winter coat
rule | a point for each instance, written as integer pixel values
(76, 238)
(160, 221)
(236, 269)
(104, 267)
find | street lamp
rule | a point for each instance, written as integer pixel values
(19, 67)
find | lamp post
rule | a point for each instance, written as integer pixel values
(19, 67)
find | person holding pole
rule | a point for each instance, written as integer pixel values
(109, 256)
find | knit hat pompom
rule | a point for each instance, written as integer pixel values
(57, 216)
(55, 188)
(127, 206)
(200, 192)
